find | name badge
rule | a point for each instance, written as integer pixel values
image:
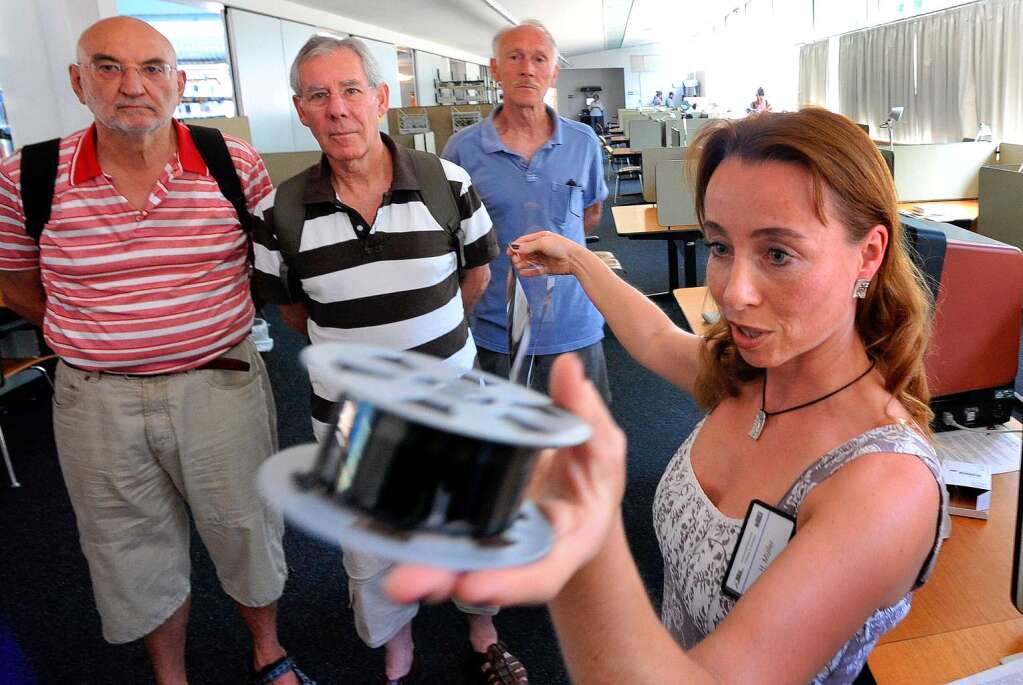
(764, 534)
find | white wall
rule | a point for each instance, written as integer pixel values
(427, 66)
(37, 43)
(338, 22)
(639, 86)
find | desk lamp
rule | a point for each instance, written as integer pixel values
(894, 114)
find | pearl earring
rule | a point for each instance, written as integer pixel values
(860, 289)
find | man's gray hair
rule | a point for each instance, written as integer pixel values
(495, 45)
(320, 44)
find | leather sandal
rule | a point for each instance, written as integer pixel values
(274, 670)
(414, 671)
(498, 666)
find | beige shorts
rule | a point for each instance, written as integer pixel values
(138, 453)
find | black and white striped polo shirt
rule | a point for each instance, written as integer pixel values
(395, 283)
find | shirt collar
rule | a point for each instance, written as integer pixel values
(492, 142)
(319, 188)
(85, 161)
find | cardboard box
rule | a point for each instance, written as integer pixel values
(969, 488)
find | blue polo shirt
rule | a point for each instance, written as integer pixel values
(549, 192)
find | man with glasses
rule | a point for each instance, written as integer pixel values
(162, 405)
(360, 248)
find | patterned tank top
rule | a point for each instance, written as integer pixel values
(697, 542)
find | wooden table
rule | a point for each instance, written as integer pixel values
(619, 139)
(624, 152)
(946, 210)
(694, 302)
(963, 620)
(639, 222)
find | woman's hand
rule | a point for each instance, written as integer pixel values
(541, 253)
(579, 489)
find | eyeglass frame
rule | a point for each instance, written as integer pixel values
(362, 89)
(166, 69)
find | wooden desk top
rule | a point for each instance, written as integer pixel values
(619, 139)
(963, 620)
(632, 221)
(947, 210)
(623, 151)
(694, 302)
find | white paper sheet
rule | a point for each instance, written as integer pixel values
(998, 451)
(1006, 674)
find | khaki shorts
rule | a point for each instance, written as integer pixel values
(139, 452)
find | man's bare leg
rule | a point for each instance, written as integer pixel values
(262, 623)
(166, 647)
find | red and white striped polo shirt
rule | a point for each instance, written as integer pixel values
(159, 290)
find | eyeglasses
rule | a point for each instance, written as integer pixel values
(114, 71)
(319, 98)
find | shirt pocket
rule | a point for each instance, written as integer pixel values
(566, 205)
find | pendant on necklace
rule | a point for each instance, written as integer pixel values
(758, 425)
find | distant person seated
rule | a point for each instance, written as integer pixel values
(657, 100)
(760, 104)
(597, 114)
(670, 102)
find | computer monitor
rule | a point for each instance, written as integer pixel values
(973, 357)
(1017, 551)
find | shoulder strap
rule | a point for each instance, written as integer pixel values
(213, 148)
(288, 222)
(438, 197)
(289, 213)
(38, 181)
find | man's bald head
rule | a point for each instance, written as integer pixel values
(126, 75)
(116, 30)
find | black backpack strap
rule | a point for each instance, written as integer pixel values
(213, 148)
(439, 198)
(288, 222)
(38, 182)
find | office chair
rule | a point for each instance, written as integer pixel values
(11, 368)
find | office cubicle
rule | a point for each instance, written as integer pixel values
(283, 165)
(650, 158)
(940, 171)
(646, 133)
(232, 126)
(1000, 200)
(675, 202)
(1011, 153)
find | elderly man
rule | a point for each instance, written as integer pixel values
(535, 170)
(376, 244)
(140, 282)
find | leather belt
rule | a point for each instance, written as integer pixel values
(218, 363)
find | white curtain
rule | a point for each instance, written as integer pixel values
(813, 74)
(951, 70)
(876, 70)
(997, 46)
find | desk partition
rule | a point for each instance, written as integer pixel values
(1001, 203)
(650, 157)
(940, 171)
(232, 126)
(1011, 153)
(675, 204)
(646, 133)
(283, 165)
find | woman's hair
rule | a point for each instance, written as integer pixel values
(849, 178)
(760, 92)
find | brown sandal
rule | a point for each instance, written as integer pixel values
(498, 666)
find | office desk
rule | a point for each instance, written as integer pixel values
(619, 139)
(639, 222)
(963, 620)
(624, 152)
(947, 210)
(694, 302)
